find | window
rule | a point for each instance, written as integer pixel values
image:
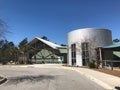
(85, 53)
(73, 54)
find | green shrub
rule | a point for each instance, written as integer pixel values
(91, 65)
(4, 62)
(21, 62)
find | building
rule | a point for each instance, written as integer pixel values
(82, 44)
(115, 49)
(47, 52)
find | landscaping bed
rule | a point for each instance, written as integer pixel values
(114, 72)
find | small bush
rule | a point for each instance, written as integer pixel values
(21, 62)
(91, 65)
(4, 63)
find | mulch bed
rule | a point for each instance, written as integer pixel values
(111, 72)
(107, 71)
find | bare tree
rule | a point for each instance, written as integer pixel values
(92, 46)
(3, 28)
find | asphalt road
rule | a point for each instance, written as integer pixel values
(45, 77)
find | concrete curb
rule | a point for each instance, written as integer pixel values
(101, 83)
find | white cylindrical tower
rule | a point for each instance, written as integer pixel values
(82, 44)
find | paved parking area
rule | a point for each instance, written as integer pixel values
(45, 77)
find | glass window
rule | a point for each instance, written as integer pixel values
(85, 53)
(73, 54)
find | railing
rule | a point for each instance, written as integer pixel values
(109, 63)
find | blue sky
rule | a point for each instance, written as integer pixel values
(55, 18)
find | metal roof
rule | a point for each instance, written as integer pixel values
(52, 45)
(115, 45)
(116, 53)
(62, 50)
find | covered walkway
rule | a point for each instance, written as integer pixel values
(115, 50)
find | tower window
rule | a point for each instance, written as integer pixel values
(73, 54)
(85, 53)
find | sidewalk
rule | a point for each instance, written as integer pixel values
(107, 81)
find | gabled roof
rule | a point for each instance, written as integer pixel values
(52, 45)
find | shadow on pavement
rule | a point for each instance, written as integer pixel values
(117, 87)
(3, 81)
(30, 79)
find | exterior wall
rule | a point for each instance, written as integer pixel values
(46, 56)
(47, 52)
(69, 57)
(95, 37)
